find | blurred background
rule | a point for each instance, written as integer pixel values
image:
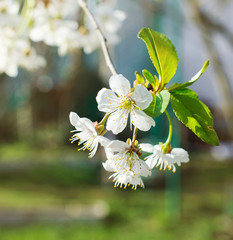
(50, 191)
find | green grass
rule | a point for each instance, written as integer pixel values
(133, 215)
(202, 211)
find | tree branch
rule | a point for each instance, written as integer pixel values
(100, 35)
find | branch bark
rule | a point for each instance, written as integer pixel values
(100, 35)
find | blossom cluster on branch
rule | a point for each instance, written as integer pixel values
(75, 24)
(124, 158)
(139, 105)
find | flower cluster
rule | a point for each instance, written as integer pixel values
(58, 23)
(124, 158)
(15, 48)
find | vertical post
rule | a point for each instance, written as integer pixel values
(172, 27)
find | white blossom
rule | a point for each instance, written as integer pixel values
(68, 41)
(56, 24)
(17, 52)
(8, 10)
(66, 9)
(125, 103)
(29, 59)
(124, 161)
(164, 160)
(85, 133)
(109, 19)
(52, 31)
(89, 41)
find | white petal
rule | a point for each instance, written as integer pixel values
(118, 146)
(37, 34)
(167, 158)
(145, 169)
(107, 100)
(141, 120)
(74, 118)
(119, 84)
(142, 97)
(120, 15)
(12, 70)
(146, 147)
(117, 121)
(103, 141)
(82, 124)
(88, 124)
(108, 167)
(179, 155)
(108, 152)
(152, 160)
(157, 151)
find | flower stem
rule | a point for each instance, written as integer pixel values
(104, 119)
(26, 13)
(135, 132)
(170, 128)
(100, 35)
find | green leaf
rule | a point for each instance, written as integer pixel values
(159, 104)
(195, 115)
(149, 77)
(150, 110)
(176, 86)
(156, 82)
(162, 53)
(185, 91)
(162, 101)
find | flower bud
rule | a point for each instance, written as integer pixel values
(135, 83)
(99, 129)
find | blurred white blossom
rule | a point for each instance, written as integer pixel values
(17, 52)
(56, 23)
(110, 21)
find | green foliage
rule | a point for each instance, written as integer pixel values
(185, 91)
(159, 104)
(149, 77)
(185, 103)
(177, 86)
(150, 110)
(162, 53)
(194, 114)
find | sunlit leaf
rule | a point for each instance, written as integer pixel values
(162, 53)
